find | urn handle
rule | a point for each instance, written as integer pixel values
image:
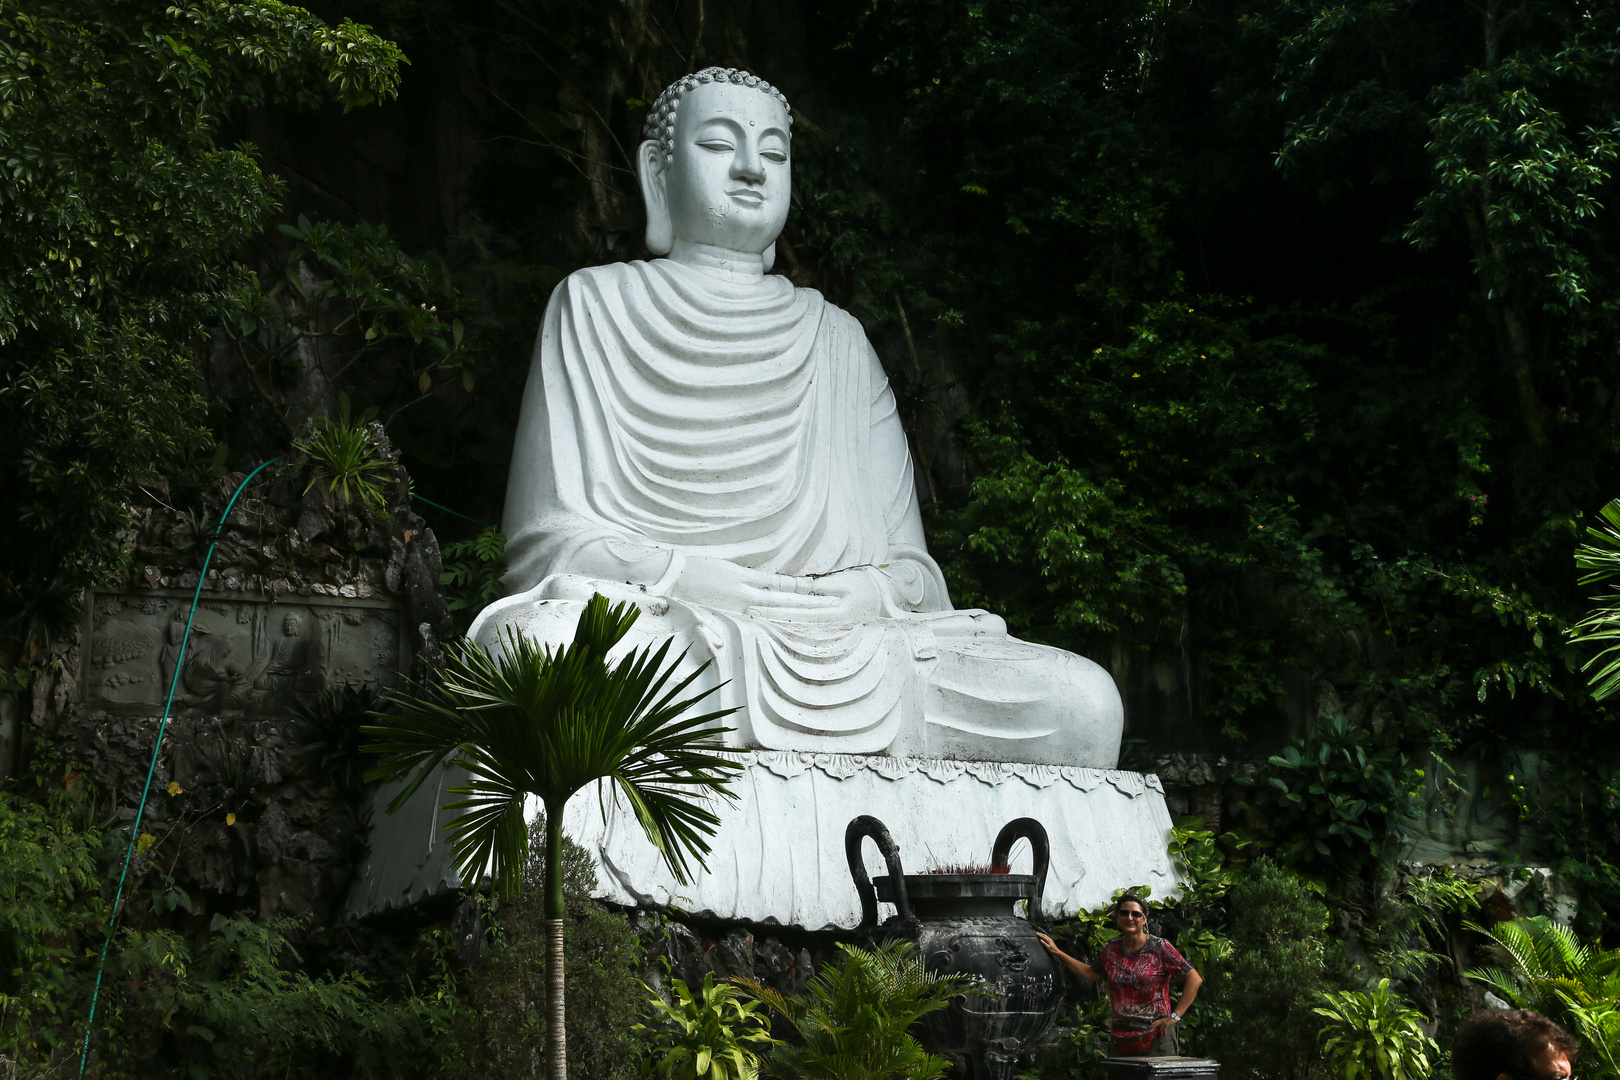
(1026, 828)
(859, 829)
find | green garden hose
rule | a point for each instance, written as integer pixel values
(135, 826)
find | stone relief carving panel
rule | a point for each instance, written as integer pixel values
(251, 656)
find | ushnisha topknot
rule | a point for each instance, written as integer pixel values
(660, 126)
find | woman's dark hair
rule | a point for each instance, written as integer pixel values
(1496, 1041)
(1132, 898)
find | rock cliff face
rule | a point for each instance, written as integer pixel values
(256, 800)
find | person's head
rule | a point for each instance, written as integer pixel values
(715, 167)
(1511, 1043)
(1130, 913)
(293, 624)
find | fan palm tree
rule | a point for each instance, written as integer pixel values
(537, 721)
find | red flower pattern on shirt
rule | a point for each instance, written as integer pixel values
(1139, 982)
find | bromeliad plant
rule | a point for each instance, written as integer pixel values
(532, 720)
(1374, 1036)
(716, 1037)
(346, 459)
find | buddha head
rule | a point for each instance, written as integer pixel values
(715, 167)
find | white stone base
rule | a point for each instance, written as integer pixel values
(408, 854)
(779, 853)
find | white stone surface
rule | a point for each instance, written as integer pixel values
(724, 449)
(779, 854)
(407, 860)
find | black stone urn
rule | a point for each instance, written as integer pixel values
(964, 924)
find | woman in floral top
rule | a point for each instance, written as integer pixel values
(1139, 968)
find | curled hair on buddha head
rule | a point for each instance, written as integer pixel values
(660, 125)
(1130, 898)
(1496, 1041)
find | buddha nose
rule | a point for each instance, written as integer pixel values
(748, 165)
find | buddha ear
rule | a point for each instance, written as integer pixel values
(655, 196)
(770, 257)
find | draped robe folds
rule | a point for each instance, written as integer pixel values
(672, 414)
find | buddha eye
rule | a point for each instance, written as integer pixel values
(718, 146)
(777, 156)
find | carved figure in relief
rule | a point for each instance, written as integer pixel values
(289, 668)
(250, 655)
(702, 437)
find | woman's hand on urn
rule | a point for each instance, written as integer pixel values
(1084, 971)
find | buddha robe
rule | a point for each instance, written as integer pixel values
(672, 414)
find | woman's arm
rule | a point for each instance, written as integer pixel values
(1189, 993)
(1085, 971)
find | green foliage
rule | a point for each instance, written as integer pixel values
(48, 900)
(1330, 804)
(121, 213)
(1409, 940)
(1543, 966)
(346, 460)
(473, 569)
(500, 1021)
(548, 723)
(852, 1020)
(231, 997)
(713, 1037)
(237, 1007)
(351, 307)
(1263, 990)
(1373, 1036)
(1600, 558)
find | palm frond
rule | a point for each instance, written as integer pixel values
(530, 719)
(1600, 557)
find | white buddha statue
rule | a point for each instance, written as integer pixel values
(703, 438)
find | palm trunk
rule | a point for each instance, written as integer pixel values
(557, 1038)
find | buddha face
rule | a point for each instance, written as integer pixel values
(729, 182)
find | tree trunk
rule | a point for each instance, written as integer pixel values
(556, 1014)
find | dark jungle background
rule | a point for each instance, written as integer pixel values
(1267, 353)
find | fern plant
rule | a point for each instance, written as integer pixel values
(853, 1020)
(346, 459)
(473, 569)
(715, 1037)
(1545, 967)
(1373, 1036)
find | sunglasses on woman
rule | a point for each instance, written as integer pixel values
(1130, 915)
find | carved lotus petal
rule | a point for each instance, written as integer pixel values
(785, 763)
(1083, 779)
(1127, 783)
(989, 772)
(839, 766)
(1041, 776)
(943, 770)
(891, 768)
